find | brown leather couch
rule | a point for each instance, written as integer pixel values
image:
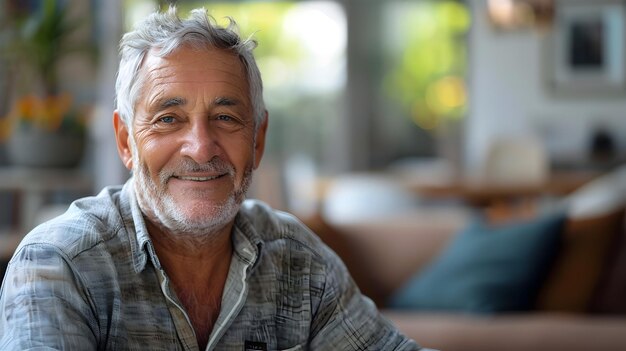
(580, 306)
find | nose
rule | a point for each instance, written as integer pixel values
(200, 142)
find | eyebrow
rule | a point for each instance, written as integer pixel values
(165, 103)
(226, 101)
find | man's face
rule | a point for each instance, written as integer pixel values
(193, 145)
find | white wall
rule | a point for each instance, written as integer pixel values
(509, 95)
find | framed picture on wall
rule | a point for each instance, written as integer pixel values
(588, 47)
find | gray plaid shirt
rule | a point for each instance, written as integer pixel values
(90, 279)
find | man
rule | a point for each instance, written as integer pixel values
(175, 259)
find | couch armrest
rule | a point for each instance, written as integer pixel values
(512, 332)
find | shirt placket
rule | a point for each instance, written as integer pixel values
(233, 300)
(182, 323)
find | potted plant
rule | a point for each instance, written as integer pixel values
(43, 127)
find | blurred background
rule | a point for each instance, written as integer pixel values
(410, 113)
(424, 89)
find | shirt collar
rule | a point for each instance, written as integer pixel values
(247, 242)
(136, 228)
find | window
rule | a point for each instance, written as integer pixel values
(423, 76)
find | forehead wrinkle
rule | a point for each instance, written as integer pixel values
(163, 73)
(156, 93)
(170, 78)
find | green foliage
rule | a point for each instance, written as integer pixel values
(36, 42)
(263, 21)
(34, 38)
(427, 76)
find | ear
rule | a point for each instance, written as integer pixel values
(122, 140)
(259, 146)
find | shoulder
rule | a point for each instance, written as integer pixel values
(279, 228)
(86, 223)
(291, 248)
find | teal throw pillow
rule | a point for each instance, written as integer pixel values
(487, 269)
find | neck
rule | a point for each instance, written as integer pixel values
(178, 252)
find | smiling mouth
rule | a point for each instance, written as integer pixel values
(200, 179)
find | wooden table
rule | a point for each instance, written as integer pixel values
(559, 183)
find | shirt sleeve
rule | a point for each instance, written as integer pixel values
(42, 304)
(347, 320)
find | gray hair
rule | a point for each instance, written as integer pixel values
(168, 32)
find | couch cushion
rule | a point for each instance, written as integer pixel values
(487, 269)
(580, 262)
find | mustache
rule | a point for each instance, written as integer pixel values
(187, 165)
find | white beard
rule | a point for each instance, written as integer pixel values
(159, 206)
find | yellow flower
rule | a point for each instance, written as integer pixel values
(5, 128)
(46, 113)
(27, 108)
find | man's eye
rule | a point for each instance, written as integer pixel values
(167, 119)
(226, 118)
